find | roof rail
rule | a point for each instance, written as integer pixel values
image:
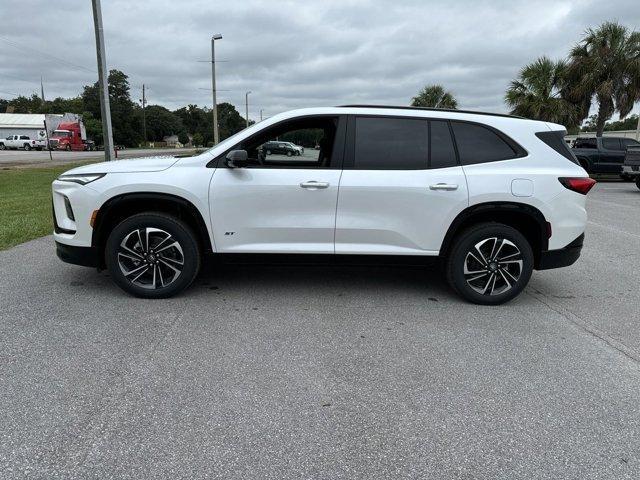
(405, 107)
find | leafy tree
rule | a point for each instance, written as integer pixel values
(629, 123)
(605, 67)
(161, 122)
(538, 93)
(126, 127)
(197, 139)
(93, 127)
(22, 104)
(229, 120)
(434, 96)
(3, 105)
(183, 137)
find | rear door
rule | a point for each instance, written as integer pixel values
(611, 155)
(401, 186)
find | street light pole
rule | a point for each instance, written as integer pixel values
(216, 136)
(105, 109)
(246, 104)
(260, 114)
(144, 119)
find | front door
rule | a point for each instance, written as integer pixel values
(396, 197)
(279, 203)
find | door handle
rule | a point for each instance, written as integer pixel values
(444, 186)
(313, 184)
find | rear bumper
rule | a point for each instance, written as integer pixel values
(563, 257)
(84, 256)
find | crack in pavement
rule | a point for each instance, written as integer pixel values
(585, 326)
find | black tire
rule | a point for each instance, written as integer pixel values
(268, 152)
(68, 148)
(463, 251)
(2, 147)
(27, 147)
(638, 181)
(289, 154)
(118, 258)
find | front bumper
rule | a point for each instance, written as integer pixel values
(84, 256)
(562, 257)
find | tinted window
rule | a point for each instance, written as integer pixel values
(586, 143)
(478, 144)
(391, 144)
(611, 143)
(556, 141)
(24, 137)
(629, 142)
(443, 153)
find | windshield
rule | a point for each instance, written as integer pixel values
(61, 133)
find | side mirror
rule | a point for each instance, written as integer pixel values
(236, 159)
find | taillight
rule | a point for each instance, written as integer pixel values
(578, 184)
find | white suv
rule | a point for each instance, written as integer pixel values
(494, 196)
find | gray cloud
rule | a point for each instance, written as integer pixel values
(292, 53)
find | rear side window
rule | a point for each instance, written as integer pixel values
(443, 153)
(629, 142)
(585, 143)
(555, 140)
(391, 144)
(478, 144)
(611, 143)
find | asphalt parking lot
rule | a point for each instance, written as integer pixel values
(326, 372)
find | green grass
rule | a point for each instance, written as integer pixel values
(25, 203)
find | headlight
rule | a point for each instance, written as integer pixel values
(82, 179)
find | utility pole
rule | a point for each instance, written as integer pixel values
(260, 114)
(41, 89)
(638, 128)
(105, 108)
(246, 105)
(144, 119)
(216, 136)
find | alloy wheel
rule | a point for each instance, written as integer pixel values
(493, 266)
(150, 258)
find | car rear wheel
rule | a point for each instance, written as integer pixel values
(27, 147)
(638, 181)
(152, 255)
(489, 264)
(288, 154)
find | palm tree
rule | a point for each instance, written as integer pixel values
(605, 66)
(434, 96)
(538, 93)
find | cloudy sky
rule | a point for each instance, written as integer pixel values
(294, 53)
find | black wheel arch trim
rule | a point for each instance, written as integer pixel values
(98, 238)
(484, 212)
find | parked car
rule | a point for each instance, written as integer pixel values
(631, 167)
(602, 154)
(14, 142)
(89, 145)
(493, 196)
(298, 148)
(280, 148)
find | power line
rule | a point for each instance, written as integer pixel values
(9, 93)
(46, 56)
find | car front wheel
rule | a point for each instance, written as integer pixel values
(152, 255)
(638, 181)
(489, 263)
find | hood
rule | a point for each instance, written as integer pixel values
(131, 165)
